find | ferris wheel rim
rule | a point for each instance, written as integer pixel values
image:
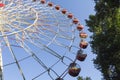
(28, 36)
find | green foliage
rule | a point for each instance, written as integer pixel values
(105, 26)
(81, 78)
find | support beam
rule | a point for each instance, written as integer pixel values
(1, 65)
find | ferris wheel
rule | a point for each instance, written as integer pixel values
(39, 38)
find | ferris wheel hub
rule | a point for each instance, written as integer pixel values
(16, 18)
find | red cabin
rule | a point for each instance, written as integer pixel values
(59, 78)
(83, 35)
(50, 4)
(81, 57)
(2, 5)
(43, 1)
(74, 69)
(83, 44)
(79, 27)
(70, 15)
(64, 11)
(57, 7)
(75, 21)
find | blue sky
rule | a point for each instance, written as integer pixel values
(81, 10)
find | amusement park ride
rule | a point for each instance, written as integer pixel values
(40, 29)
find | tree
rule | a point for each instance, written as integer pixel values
(81, 78)
(105, 41)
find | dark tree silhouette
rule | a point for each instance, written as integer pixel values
(81, 78)
(105, 41)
